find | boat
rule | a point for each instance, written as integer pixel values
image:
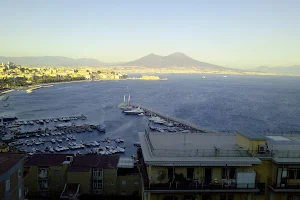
(5, 98)
(28, 91)
(101, 128)
(224, 76)
(137, 144)
(203, 77)
(30, 122)
(47, 120)
(141, 114)
(6, 105)
(55, 120)
(135, 111)
(41, 121)
(53, 140)
(7, 118)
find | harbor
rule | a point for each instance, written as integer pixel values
(159, 122)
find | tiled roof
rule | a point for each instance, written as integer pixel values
(8, 160)
(80, 162)
(47, 159)
(96, 161)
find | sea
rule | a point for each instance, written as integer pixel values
(262, 104)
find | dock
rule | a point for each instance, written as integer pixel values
(176, 121)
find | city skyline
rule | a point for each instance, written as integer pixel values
(232, 34)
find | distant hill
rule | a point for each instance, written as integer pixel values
(172, 60)
(289, 70)
(52, 61)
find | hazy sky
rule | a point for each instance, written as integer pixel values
(228, 33)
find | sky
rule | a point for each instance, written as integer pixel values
(231, 33)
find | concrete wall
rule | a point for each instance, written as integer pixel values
(110, 181)
(251, 145)
(83, 178)
(57, 177)
(130, 185)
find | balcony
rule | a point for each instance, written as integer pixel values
(284, 187)
(201, 187)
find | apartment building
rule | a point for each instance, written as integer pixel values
(11, 176)
(202, 166)
(64, 175)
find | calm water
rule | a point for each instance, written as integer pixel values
(216, 103)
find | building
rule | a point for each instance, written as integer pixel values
(212, 166)
(11, 176)
(67, 175)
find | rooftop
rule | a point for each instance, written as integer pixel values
(193, 149)
(252, 135)
(8, 160)
(80, 162)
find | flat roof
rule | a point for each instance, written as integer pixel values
(193, 149)
(251, 135)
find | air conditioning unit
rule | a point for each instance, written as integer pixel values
(262, 148)
(70, 158)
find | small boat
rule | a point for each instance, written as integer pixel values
(137, 144)
(224, 76)
(47, 120)
(55, 120)
(203, 77)
(30, 122)
(135, 111)
(5, 98)
(53, 140)
(6, 105)
(141, 114)
(41, 121)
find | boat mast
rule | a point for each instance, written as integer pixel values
(124, 98)
(128, 99)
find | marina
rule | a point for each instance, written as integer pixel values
(160, 122)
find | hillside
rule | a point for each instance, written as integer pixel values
(289, 70)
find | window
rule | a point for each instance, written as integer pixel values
(231, 173)
(97, 172)
(20, 193)
(190, 173)
(97, 183)
(7, 185)
(230, 197)
(123, 182)
(112, 183)
(57, 183)
(206, 197)
(297, 197)
(136, 182)
(224, 173)
(292, 173)
(170, 173)
(223, 197)
(298, 175)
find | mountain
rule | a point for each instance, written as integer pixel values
(172, 60)
(289, 70)
(52, 61)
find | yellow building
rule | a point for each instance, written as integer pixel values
(3, 148)
(62, 175)
(212, 166)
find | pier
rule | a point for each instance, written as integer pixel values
(176, 121)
